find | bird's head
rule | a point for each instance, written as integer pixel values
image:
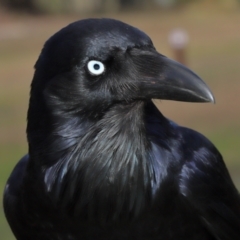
(87, 72)
(95, 63)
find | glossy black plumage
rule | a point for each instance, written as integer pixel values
(103, 162)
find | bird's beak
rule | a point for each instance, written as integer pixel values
(163, 78)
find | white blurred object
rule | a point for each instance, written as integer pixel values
(178, 38)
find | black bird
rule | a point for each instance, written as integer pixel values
(103, 162)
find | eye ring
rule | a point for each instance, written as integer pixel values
(95, 67)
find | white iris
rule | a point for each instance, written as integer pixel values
(95, 67)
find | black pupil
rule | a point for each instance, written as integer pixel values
(96, 66)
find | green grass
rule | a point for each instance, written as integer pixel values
(214, 53)
(228, 141)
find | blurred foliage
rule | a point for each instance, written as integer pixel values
(90, 6)
(20, 5)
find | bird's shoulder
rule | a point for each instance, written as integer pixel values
(206, 185)
(14, 183)
(12, 194)
(203, 167)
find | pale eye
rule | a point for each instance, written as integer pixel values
(95, 67)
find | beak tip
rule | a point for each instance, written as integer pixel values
(213, 101)
(211, 98)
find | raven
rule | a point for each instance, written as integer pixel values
(103, 162)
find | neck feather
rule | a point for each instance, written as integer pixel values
(101, 168)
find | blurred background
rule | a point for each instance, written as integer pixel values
(203, 34)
